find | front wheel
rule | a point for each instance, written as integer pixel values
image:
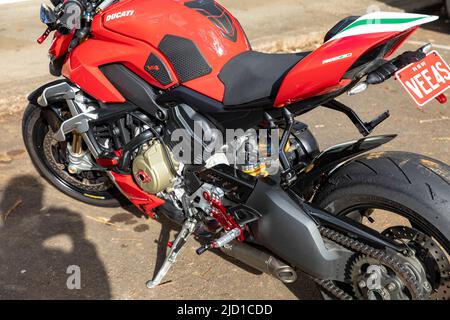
(407, 198)
(50, 158)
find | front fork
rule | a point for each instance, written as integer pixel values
(79, 160)
(75, 152)
(77, 141)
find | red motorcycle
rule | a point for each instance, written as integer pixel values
(149, 89)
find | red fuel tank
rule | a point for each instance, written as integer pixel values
(164, 41)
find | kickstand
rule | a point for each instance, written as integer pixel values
(186, 231)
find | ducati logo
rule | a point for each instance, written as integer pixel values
(118, 15)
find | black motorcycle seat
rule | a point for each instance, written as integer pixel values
(253, 76)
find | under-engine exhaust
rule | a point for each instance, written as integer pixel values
(261, 261)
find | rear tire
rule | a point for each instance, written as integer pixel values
(413, 186)
(418, 184)
(34, 128)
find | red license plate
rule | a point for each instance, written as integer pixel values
(427, 79)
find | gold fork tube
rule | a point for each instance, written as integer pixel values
(77, 141)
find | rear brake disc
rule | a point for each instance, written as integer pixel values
(430, 254)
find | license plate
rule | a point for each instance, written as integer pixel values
(427, 79)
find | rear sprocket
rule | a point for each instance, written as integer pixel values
(374, 280)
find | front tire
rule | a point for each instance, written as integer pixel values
(414, 187)
(36, 133)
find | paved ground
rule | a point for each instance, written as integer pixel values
(45, 232)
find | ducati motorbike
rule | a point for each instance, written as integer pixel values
(136, 73)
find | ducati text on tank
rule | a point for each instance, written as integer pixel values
(118, 15)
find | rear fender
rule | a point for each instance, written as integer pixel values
(331, 159)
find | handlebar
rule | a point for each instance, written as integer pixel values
(71, 15)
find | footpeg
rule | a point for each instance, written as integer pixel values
(221, 242)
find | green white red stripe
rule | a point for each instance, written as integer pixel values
(378, 22)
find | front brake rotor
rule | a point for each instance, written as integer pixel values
(50, 146)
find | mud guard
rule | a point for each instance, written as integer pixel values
(331, 159)
(50, 116)
(33, 96)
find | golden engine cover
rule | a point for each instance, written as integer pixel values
(152, 171)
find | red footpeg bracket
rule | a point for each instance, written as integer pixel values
(220, 213)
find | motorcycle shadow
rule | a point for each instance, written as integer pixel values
(41, 246)
(42, 249)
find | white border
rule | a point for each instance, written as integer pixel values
(407, 90)
(11, 1)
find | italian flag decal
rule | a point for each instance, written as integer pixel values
(378, 22)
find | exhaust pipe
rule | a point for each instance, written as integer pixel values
(261, 261)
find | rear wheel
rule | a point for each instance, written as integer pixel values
(407, 198)
(50, 158)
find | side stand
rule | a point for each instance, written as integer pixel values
(186, 231)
